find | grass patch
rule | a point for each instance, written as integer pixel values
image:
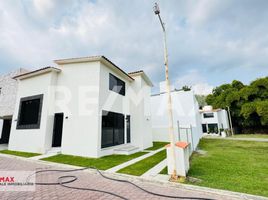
(240, 166)
(20, 153)
(102, 163)
(157, 145)
(144, 165)
(264, 136)
(164, 171)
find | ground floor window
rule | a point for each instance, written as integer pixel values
(213, 128)
(113, 127)
(29, 115)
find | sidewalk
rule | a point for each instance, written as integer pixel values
(90, 179)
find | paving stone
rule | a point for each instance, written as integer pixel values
(87, 180)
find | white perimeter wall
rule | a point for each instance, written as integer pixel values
(185, 111)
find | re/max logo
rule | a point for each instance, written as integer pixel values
(4, 179)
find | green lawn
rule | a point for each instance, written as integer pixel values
(144, 165)
(103, 163)
(264, 136)
(20, 153)
(240, 166)
(157, 145)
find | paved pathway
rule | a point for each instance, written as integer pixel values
(123, 165)
(88, 180)
(156, 169)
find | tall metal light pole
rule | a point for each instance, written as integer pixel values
(174, 175)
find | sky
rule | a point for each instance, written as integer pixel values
(210, 42)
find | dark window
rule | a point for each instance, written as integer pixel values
(208, 115)
(204, 128)
(213, 128)
(116, 85)
(112, 129)
(30, 112)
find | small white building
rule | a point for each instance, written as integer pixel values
(8, 92)
(186, 119)
(213, 120)
(85, 106)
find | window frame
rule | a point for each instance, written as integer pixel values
(115, 89)
(30, 126)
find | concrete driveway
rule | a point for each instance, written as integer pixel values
(87, 180)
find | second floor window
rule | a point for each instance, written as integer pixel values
(117, 85)
(208, 115)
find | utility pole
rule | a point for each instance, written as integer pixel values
(174, 175)
(230, 120)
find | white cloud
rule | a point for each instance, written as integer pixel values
(196, 81)
(44, 7)
(202, 89)
(205, 38)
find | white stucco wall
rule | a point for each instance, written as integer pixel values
(131, 104)
(32, 140)
(80, 130)
(185, 112)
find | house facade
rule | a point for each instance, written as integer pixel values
(84, 106)
(186, 119)
(8, 92)
(213, 120)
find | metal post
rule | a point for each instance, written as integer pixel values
(191, 128)
(174, 176)
(230, 120)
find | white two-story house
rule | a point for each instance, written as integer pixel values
(214, 120)
(84, 106)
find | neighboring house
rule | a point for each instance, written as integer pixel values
(84, 106)
(8, 92)
(213, 120)
(186, 119)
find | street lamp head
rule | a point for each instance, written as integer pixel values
(156, 9)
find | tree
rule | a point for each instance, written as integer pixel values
(186, 88)
(248, 103)
(201, 99)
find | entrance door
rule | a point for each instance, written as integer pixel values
(5, 131)
(57, 130)
(128, 129)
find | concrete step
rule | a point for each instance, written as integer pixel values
(126, 150)
(54, 150)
